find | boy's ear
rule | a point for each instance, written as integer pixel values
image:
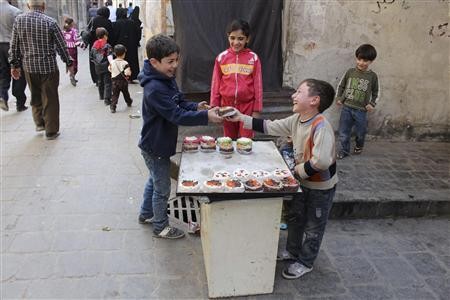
(153, 61)
(315, 101)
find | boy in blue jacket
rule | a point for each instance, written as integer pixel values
(163, 109)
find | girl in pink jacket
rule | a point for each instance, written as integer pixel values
(237, 79)
(72, 39)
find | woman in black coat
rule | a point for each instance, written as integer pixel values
(127, 35)
(101, 20)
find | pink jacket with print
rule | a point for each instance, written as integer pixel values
(237, 79)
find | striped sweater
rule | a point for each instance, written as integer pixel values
(314, 147)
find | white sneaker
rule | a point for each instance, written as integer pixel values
(295, 270)
(285, 255)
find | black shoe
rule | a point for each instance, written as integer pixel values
(113, 110)
(40, 128)
(129, 103)
(22, 108)
(143, 220)
(52, 136)
(107, 101)
(73, 81)
(4, 104)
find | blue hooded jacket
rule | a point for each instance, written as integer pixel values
(163, 109)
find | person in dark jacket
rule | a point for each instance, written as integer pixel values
(163, 109)
(101, 20)
(127, 35)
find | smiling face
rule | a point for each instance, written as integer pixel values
(167, 66)
(362, 64)
(237, 40)
(302, 101)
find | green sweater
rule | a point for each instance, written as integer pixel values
(358, 88)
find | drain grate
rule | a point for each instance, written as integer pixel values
(186, 210)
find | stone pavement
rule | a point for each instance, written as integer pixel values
(69, 208)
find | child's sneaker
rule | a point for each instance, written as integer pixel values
(295, 270)
(169, 233)
(112, 109)
(143, 220)
(73, 81)
(357, 150)
(341, 155)
(285, 255)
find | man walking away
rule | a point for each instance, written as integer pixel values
(35, 38)
(7, 15)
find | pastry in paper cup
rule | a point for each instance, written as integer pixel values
(190, 144)
(221, 175)
(234, 186)
(225, 145)
(212, 186)
(189, 185)
(290, 184)
(253, 185)
(281, 173)
(241, 174)
(260, 174)
(244, 145)
(272, 185)
(207, 143)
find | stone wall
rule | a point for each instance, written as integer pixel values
(412, 40)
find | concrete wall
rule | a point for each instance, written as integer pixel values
(412, 40)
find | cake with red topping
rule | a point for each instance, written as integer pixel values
(190, 144)
(290, 184)
(234, 186)
(189, 185)
(207, 143)
(253, 185)
(213, 186)
(272, 185)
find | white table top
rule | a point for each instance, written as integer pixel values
(201, 166)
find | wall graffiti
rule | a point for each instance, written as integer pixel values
(439, 30)
(386, 3)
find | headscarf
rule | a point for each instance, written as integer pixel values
(103, 11)
(121, 13)
(135, 15)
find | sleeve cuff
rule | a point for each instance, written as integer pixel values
(300, 170)
(247, 121)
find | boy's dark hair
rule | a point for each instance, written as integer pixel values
(239, 24)
(100, 32)
(322, 89)
(119, 50)
(366, 52)
(68, 24)
(160, 46)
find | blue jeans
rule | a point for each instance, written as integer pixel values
(157, 190)
(352, 117)
(307, 217)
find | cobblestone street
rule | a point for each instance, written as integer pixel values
(69, 216)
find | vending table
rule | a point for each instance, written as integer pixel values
(239, 231)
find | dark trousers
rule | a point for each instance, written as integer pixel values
(307, 218)
(45, 100)
(18, 86)
(104, 85)
(92, 68)
(120, 84)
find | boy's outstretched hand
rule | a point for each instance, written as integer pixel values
(213, 115)
(236, 117)
(203, 106)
